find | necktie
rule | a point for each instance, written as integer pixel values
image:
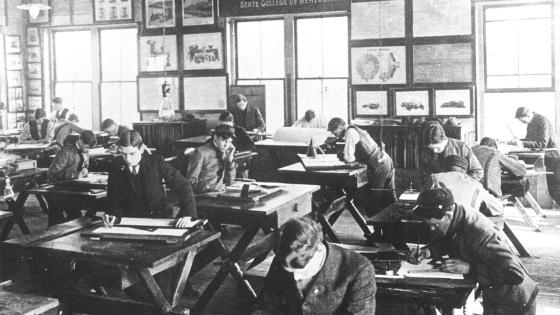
(135, 170)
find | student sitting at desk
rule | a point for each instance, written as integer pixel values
(494, 162)
(241, 141)
(39, 130)
(211, 166)
(468, 192)
(475, 248)
(67, 128)
(438, 146)
(69, 163)
(309, 120)
(110, 126)
(248, 117)
(135, 185)
(360, 147)
(309, 276)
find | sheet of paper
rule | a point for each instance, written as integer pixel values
(163, 223)
(425, 270)
(135, 231)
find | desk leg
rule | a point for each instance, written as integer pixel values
(17, 208)
(358, 217)
(534, 204)
(327, 228)
(230, 266)
(182, 281)
(515, 241)
(525, 215)
(154, 289)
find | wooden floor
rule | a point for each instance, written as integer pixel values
(543, 266)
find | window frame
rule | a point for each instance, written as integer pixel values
(552, 48)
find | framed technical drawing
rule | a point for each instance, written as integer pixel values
(13, 62)
(159, 13)
(203, 51)
(377, 19)
(158, 53)
(442, 63)
(33, 36)
(441, 17)
(205, 93)
(149, 92)
(106, 11)
(13, 44)
(453, 102)
(412, 102)
(34, 71)
(34, 54)
(378, 65)
(371, 103)
(198, 12)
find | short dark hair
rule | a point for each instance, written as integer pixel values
(489, 142)
(57, 100)
(433, 133)
(522, 112)
(225, 117)
(309, 114)
(107, 123)
(88, 137)
(238, 98)
(39, 113)
(130, 138)
(334, 123)
(73, 117)
(434, 203)
(302, 232)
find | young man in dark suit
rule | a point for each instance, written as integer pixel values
(246, 116)
(135, 187)
(40, 130)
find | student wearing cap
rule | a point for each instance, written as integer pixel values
(60, 113)
(248, 117)
(309, 276)
(494, 162)
(360, 147)
(69, 163)
(135, 185)
(541, 135)
(39, 130)
(241, 141)
(211, 166)
(467, 192)
(477, 249)
(437, 146)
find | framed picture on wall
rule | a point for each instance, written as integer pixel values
(149, 92)
(34, 102)
(378, 65)
(377, 19)
(33, 36)
(13, 62)
(33, 54)
(34, 71)
(13, 44)
(453, 102)
(198, 12)
(205, 93)
(412, 102)
(441, 17)
(443, 63)
(14, 78)
(159, 13)
(203, 51)
(112, 10)
(371, 103)
(35, 87)
(158, 53)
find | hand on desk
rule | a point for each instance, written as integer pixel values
(515, 142)
(84, 173)
(220, 187)
(455, 265)
(415, 256)
(109, 220)
(184, 222)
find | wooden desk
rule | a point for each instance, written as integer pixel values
(345, 182)
(21, 181)
(192, 142)
(268, 214)
(33, 151)
(138, 262)
(162, 135)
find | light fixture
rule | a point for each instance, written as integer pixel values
(34, 7)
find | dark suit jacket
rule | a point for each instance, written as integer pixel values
(475, 239)
(250, 118)
(345, 285)
(66, 163)
(430, 162)
(146, 197)
(540, 133)
(493, 162)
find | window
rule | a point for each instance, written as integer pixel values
(260, 60)
(518, 42)
(322, 66)
(73, 73)
(119, 68)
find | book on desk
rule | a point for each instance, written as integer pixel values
(147, 229)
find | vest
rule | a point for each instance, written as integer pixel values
(34, 130)
(62, 115)
(367, 149)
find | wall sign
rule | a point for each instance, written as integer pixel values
(263, 7)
